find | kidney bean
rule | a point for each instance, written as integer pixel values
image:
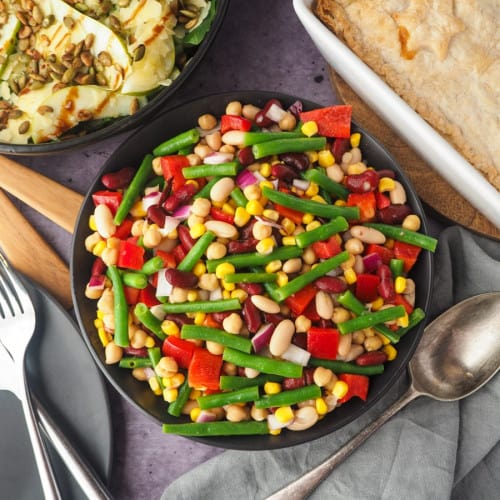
(242, 246)
(156, 215)
(220, 316)
(262, 120)
(325, 323)
(247, 230)
(386, 172)
(292, 383)
(141, 352)
(119, 179)
(179, 319)
(298, 161)
(362, 183)
(296, 108)
(386, 286)
(180, 197)
(252, 288)
(283, 172)
(98, 267)
(300, 340)
(185, 238)
(181, 279)
(339, 147)
(308, 375)
(331, 284)
(393, 214)
(273, 318)
(252, 316)
(245, 155)
(371, 358)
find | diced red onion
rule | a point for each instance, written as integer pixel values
(158, 311)
(268, 222)
(246, 178)
(301, 184)
(204, 132)
(275, 113)
(170, 224)
(151, 189)
(372, 262)
(163, 288)
(217, 157)
(262, 337)
(216, 294)
(149, 372)
(97, 282)
(182, 212)
(206, 416)
(151, 199)
(275, 424)
(296, 354)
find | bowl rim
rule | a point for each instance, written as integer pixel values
(426, 262)
(130, 122)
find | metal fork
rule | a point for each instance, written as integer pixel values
(17, 325)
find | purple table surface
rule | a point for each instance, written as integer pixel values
(260, 46)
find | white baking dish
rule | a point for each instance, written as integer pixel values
(393, 110)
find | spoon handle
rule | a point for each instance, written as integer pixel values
(306, 484)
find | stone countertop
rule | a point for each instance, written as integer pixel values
(260, 46)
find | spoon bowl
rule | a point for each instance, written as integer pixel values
(458, 353)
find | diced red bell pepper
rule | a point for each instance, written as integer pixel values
(323, 342)
(179, 253)
(385, 253)
(406, 252)
(340, 146)
(366, 287)
(327, 248)
(301, 299)
(130, 255)
(111, 199)
(204, 370)
(171, 167)
(332, 121)
(148, 296)
(209, 321)
(220, 215)
(167, 257)
(181, 350)
(367, 204)
(358, 386)
(399, 300)
(383, 201)
(131, 295)
(290, 213)
(234, 122)
(123, 230)
(311, 312)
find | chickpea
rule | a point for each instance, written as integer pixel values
(216, 250)
(232, 323)
(322, 376)
(140, 374)
(234, 108)
(373, 343)
(106, 302)
(354, 246)
(110, 256)
(214, 140)
(258, 414)
(112, 353)
(92, 240)
(340, 314)
(249, 111)
(152, 237)
(227, 148)
(411, 222)
(138, 227)
(261, 230)
(193, 159)
(203, 150)
(358, 337)
(236, 413)
(208, 281)
(138, 338)
(92, 293)
(201, 207)
(229, 368)
(166, 367)
(207, 121)
(302, 324)
(288, 122)
(214, 347)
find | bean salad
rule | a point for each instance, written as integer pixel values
(254, 271)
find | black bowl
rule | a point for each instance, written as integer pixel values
(154, 105)
(131, 152)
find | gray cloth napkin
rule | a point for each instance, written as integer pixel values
(430, 450)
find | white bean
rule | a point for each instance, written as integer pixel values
(324, 305)
(265, 304)
(281, 337)
(104, 223)
(221, 229)
(367, 234)
(398, 194)
(304, 418)
(222, 189)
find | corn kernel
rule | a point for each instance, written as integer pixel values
(194, 414)
(377, 304)
(239, 294)
(313, 225)
(149, 342)
(340, 389)
(274, 432)
(356, 168)
(309, 128)
(389, 243)
(313, 156)
(170, 395)
(194, 394)
(154, 386)
(169, 327)
(307, 218)
(197, 230)
(282, 278)
(271, 214)
(226, 294)
(174, 381)
(350, 276)
(241, 216)
(272, 387)
(199, 269)
(173, 235)
(100, 315)
(265, 169)
(199, 318)
(325, 158)
(312, 190)
(288, 241)
(267, 184)
(137, 209)
(288, 225)
(355, 139)
(218, 204)
(230, 287)
(98, 323)
(227, 208)
(192, 296)
(265, 246)
(383, 338)
(92, 225)
(283, 414)
(104, 336)
(254, 207)
(321, 406)
(319, 199)
(403, 321)
(411, 222)
(391, 352)
(98, 248)
(386, 184)
(400, 284)
(194, 183)
(273, 266)
(223, 269)
(340, 203)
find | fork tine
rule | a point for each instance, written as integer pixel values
(15, 295)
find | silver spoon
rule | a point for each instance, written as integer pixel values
(459, 352)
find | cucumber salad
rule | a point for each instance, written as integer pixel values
(254, 271)
(70, 66)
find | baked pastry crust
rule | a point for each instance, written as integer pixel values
(441, 56)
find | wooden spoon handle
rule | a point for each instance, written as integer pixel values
(31, 255)
(57, 202)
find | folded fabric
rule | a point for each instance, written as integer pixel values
(429, 450)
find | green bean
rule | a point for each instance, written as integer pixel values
(180, 141)
(221, 170)
(197, 250)
(135, 280)
(204, 192)
(134, 189)
(134, 362)
(199, 306)
(148, 319)
(322, 232)
(310, 206)
(120, 308)
(154, 354)
(406, 235)
(290, 397)
(338, 366)
(219, 428)
(262, 363)
(251, 277)
(269, 287)
(397, 267)
(153, 265)
(243, 395)
(232, 382)
(304, 279)
(293, 145)
(370, 319)
(239, 198)
(251, 138)
(323, 181)
(255, 259)
(416, 316)
(216, 335)
(175, 408)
